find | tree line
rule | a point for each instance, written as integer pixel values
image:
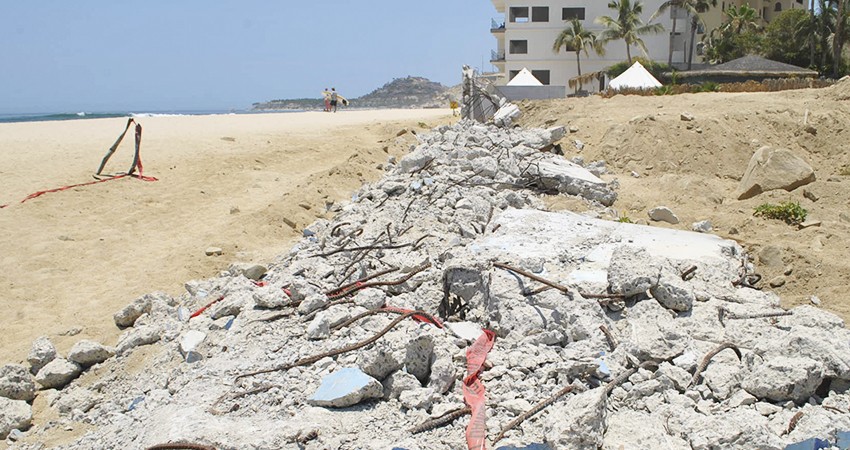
(813, 38)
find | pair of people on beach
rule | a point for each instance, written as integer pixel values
(331, 99)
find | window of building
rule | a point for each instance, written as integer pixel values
(572, 13)
(512, 74)
(518, 47)
(541, 75)
(800, 1)
(540, 14)
(519, 14)
(777, 7)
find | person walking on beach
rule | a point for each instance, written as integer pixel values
(327, 96)
(334, 98)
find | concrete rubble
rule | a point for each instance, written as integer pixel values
(660, 334)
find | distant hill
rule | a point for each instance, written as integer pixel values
(408, 92)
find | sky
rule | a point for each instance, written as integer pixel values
(159, 55)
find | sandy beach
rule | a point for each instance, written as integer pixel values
(71, 259)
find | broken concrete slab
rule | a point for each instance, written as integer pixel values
(345, 387)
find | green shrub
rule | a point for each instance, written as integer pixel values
(709, 86)
(664, 90)
(791, 212)
(624, 219)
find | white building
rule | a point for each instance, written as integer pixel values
(528, 30)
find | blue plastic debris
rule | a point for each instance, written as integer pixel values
(842, 440)
(135, 402)
(809, 444)
(346, 387)
(229, 323)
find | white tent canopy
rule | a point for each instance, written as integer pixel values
(636, 77)
(524, 78)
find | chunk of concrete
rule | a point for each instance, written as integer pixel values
(16, 383)
(673, 293)
(379, 361)
(41, 353)
(465, 330)
(772, 168)
(14, 415)
(88, 353)
(782, 378)
(143, 335)
(345, 387)
(189, 344)
(420, 353)
(663, 214)
(319, 327)
(58, 373)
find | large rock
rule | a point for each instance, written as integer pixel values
(673, 293)
(781, 379)
(577, 422)
(143, 335)
(57, 373)
(346, 387)
(16, 383)
(379, 361)
(771, 169)
(87, 353)
(420, 355)
(663, 214)
(14, 415)
(41, 353)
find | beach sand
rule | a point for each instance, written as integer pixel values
(71, 259)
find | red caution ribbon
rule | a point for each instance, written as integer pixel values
(137, 165)
(473, 390)
(417, 317)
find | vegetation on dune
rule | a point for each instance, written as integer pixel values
(789, 212)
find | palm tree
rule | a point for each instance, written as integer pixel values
(838, 40)
(628, 25)
(674, 5)
(740, 19)
(695, 8)
(576, 38)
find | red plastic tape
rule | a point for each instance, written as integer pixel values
(474, 392)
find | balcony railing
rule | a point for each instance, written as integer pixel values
(497, 56)
(496, 26)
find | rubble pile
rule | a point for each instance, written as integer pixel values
(607, 334)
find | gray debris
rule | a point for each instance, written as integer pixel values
(16, 383)
(346, 387)
(663, 214)
(58, 373)
(88, 353)
(14, 415)
(703, 226)
(426, 238)
(41, 353)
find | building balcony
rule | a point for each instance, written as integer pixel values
(497, 27)
(497, 57)
(499, 5)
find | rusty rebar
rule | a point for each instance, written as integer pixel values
(337, 227)
(348, 348)
(707, 359)
(357, 287)
(792, 424)
(612, 341)
(534, 410)
(687, 274)
(533, 277)
(438, 422)
(362, 280)
(625, 376)
(181, 446)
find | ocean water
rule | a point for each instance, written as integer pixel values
(49, 117)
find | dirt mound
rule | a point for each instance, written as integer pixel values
(689, 152)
